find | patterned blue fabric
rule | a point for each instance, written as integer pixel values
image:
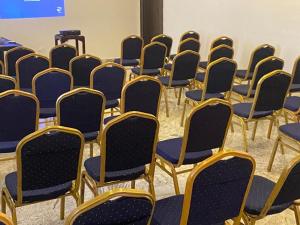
(242, 74)
(127, 62)
(175, 83)
(61, 57)
(292, 103)
(196, 95)
(149, 72)
(243, 110)
(154, 57)
(242, 89)
(259, 55)
(6, 85)
(292, 130)
(295, 88)
(200, 77)
(13, 57)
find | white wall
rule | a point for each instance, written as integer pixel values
(249, 23)
(103, 22)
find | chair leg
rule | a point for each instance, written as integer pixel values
(297, 214)
(133, 184)
(270, 128)
(231, 127)
(91, 149)
(14, 215)
(62, 207)
(175, 92)
(175, 181)
(254, 130)
(151, 187)
(282, 149)
(244, 130)
(183, 112)
(286, 117)
(82, 188)
(179, 96)
(111, 111)
(166, 102)
(273, 154)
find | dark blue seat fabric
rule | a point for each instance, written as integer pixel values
(175, 83)
(29, 90)
(127, 62)
(92, 166)
(8, 146)
(168, 211)
(242, 89)
(47, 112)
(13, 56)
(112, 104)
(150, 72)
(259, 193)
(292, 103)
(196, 95)
(90, 136)
(61, 56)
(6, 85)
(168, 66)
(242, 74)
(203, 65)
(108, 119)
(243, 110)
(292, 130)
(170, 150)
(295, 87)
(200, 77)
(35, 195)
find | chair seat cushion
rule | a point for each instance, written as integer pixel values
(112, 104)
(242, 74)
(107, 119)
(200, 77)
(243, 110)
(36, 195)
(168, 211)
(295, 88)
(203, 65)
(8, 146)
(92, 166)
(292, 130)
(170, 150)
(292, 103)
(90, 136)
(47, 112)
(242, 89)
(150, 72)
(127, 62)
(175, 83)
(197, 94)
(259, 193)
(168, 66)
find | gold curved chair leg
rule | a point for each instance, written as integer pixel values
(244, 131)
(273, 154)
(151, 187)
(3, 204)
(82, 188)
(175, 181)
(254, 130)
(286, 117)
(62, 207)
(297, 214)
(91, 149)
(133, 184)
(270, 128)
(166, 102)
(179, 96)
(231, 127)
(183, 112)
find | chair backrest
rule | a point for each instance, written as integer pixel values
(81, 68)
(264, 67)
(128, 142)
(27, 67)
(61, 55)
(271, 92)
(12, 56)
(219, 76)
(1, 67)
(223, 40)
(190, 34)
(120, 206)
(189, 44)
(19, 115)
(217, 189)
(296, 71)
(82, 109)
(5, 220)
(142, 94)
(48, 158)
(153, 56)
(164, 39)
(108, 78)
(206, 127)
(220, 52)
(131, 47)
(7, 83)
(185, 66)
(49, 84)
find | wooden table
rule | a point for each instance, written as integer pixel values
(6, 45)
(64, 38)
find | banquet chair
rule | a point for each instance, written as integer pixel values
(82, 109)
(267, 197)
(7, 83)
(48, 167)
(295, 87)
(223, 40)
(128, 145)
(190, 34)
(12, 56)
(119, 206)
(269, 98)
(19, 116)
(5, 220)
(131, 49)
(27, 67)
(187, 44)
(166, 40)
(245, 92)
(109, 78)
(81, 68)
(261, 52)
(61, 55)
(205, 129)
(47, 86)
(216, 191)
(2, 68)
(218, 82)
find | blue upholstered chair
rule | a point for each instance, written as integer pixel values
(5, 220)
(261, 52)
(187, 44)
(61, 55)
(269, 98)
(12, 56)
(81, 68)
(7, 83)
(47, 86)
(128, 145)
(109, 78)
(267, 197)
(295, 87)
(19, 117)
(152, 60)
(218, 83)
(183, 71)
(27, 67)
(292, 108)
(131, 49)
(48, 167)
(246, 91)
(2, 69)
(223, 40)
(166, 40)
(190, 34)
(205, 130)
(216, 191)
(82, 109)
(120, 206)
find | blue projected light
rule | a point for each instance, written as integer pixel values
(12, 9)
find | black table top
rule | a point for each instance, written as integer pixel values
(6, 44)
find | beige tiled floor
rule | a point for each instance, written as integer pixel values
(47, 213)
